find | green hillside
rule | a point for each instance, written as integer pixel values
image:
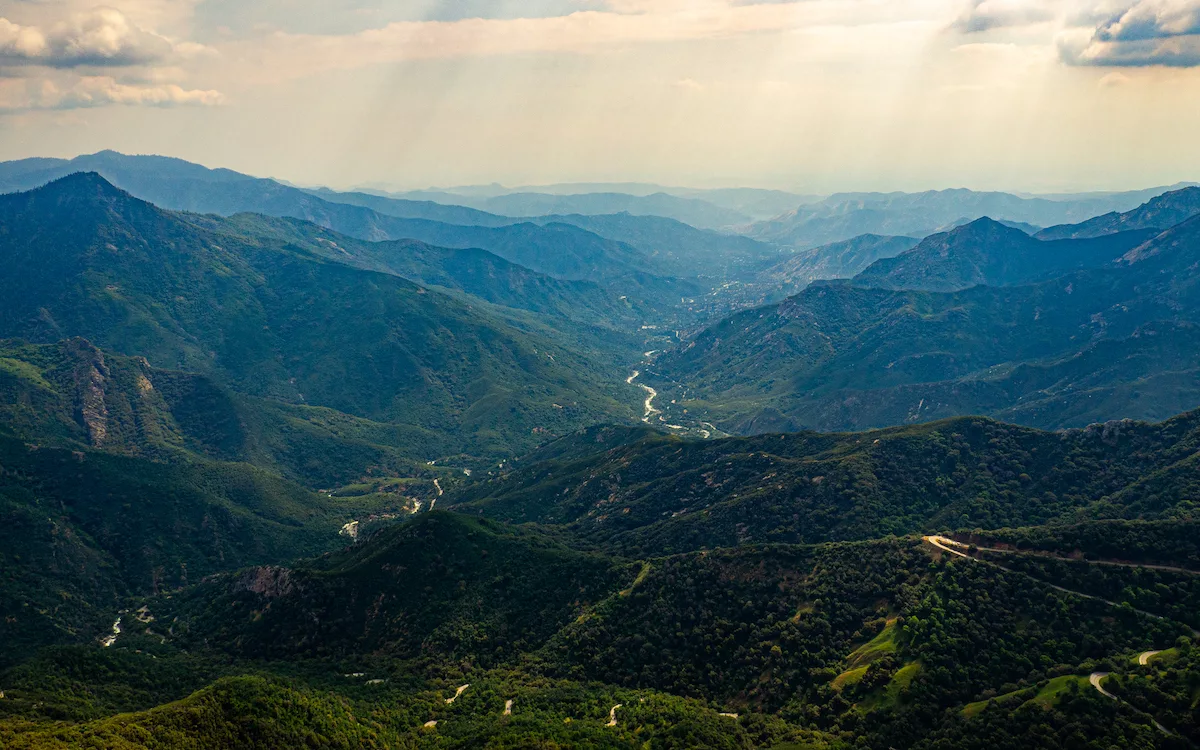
(1062, 353)
(278, 323)
(645, 491)
(476, 272)
(442, 586)
(813, 645)
(84, 530)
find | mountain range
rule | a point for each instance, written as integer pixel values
(846, 215)
(988, 252)
(747, 203)
(286, 467)
(1160, 212)
(1054, 353)
(274, 321)
(642, 250)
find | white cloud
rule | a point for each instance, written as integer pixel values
(57, 64)
(98, 91)
(625, 23)
(101, 37)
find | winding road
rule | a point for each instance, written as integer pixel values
(1096, 679)
(1111, 563)
(956, 548)
(612, 716)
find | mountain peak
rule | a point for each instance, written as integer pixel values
(983, 224)
(83, 183)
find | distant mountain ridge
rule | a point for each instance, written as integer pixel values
(837, 260)
(180, 185)
(845, 215)
(564, 247)
(1160, 212)
(988, 252)
(749, 203)
(697, 213)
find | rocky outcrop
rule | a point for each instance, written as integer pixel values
(270, 581)
(91, 380)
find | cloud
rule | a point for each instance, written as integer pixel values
(986, 15)
(623, 24)
(1146, 33)
(1148, 20)
(98, 91)
(101, 37)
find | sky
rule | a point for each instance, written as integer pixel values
(804, 95)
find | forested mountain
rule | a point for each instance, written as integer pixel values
(888, 643)
(557, 249)
(637, 490)
(988, 252)
(634, 248)
(1159, 213)
(1093, 345)
(72, 394)
(350, 471)
(83, 530)
(560, 250)
(673, 247)
(476, 272)
(85, 259)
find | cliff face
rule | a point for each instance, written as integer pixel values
(91, 380)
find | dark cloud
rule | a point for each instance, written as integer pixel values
(1152, 20)
(1147, 33)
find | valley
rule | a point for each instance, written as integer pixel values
(288, 466)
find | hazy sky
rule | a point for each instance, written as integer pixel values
(813, 95)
